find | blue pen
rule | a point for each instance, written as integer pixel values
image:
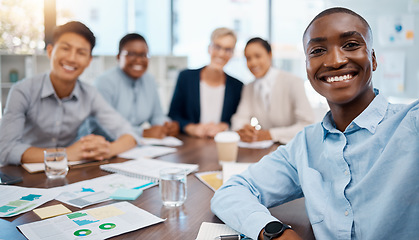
(144, 185)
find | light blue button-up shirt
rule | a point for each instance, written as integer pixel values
(362, 183)
(36, 116)
(136, 100)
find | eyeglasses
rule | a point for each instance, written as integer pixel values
(218, 48)
(133, 55)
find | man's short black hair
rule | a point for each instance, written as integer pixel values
(130, 37)
(339, 10)
(75, 27)
(262, 42)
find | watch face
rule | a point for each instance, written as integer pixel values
(273, 227)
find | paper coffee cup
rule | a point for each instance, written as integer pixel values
(227, 146)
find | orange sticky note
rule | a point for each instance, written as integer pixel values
(51, 211)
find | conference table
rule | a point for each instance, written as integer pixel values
(181, 223)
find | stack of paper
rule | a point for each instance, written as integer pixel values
(167, 141)
(97, 223)
(146, 151)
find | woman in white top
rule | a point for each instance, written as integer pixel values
(276, 99)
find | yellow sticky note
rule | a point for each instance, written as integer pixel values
(51, 211)
(105, 212)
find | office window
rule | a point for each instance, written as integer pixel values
(110, 20)
(196, 19)
(21, 26)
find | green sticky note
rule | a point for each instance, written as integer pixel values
(126, 194)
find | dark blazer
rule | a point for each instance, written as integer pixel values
(185, 107)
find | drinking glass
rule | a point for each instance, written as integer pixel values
(56, 164)
(173, 186)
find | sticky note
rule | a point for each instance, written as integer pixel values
(126, 194)
(105, 212)
(51, 211)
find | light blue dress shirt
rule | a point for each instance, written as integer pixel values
(136, 100)
(362, 183)
(36, 116)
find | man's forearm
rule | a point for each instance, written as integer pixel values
(33, 155)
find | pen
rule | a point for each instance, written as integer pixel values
(144, 185)
(254, 122)
(230, 237)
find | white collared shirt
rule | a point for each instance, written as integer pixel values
(263, 86)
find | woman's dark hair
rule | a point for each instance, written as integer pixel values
(128, 38)
(262, 42)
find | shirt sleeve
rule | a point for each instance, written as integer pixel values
(178, 105)
(12, 126)
(244, 111)
(106, 89)
(157, 117)
(243, 201)
(110, 119)
(303, 113)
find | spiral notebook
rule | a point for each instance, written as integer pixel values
(145, 168)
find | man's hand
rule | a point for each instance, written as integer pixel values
(90, 147)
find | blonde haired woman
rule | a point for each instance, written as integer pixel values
(205, 99)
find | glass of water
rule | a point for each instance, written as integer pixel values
(173, 186)
(56, 164)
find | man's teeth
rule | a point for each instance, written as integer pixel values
(70, 68)
(339, 78)
(137, 67)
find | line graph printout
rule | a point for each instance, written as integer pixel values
(97, 223)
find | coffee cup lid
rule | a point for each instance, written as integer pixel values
(227, 136)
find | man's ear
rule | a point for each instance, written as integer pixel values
(50, 47)
(374, 61)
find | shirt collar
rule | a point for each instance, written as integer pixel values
(48, 89)
(268, 78)
(129, 80)
(368, 119)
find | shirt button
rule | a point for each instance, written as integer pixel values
(54, 139)
(346, 172)
(351, 126)
(346, 213)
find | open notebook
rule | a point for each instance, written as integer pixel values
(145, 168)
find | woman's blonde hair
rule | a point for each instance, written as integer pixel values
(221, 32)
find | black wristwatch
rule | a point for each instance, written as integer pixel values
(274, 229)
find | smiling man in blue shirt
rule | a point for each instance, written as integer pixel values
(357, 169)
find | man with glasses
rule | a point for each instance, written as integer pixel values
(133, 92)
(205, 99)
